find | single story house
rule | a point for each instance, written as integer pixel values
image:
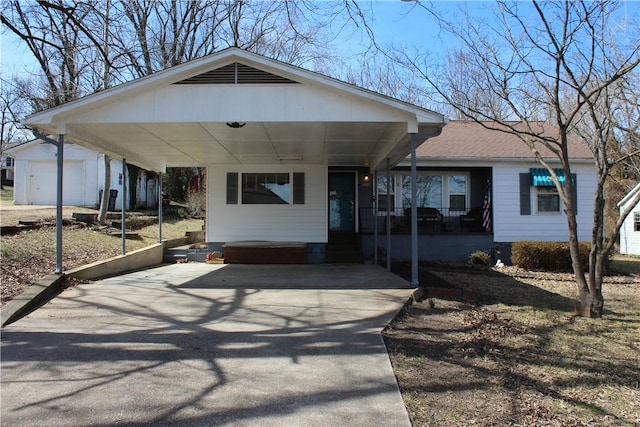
(286, 149)
(35, 168)
(293, 156)
(630, 230)
(487, 191)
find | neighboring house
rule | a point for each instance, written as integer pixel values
(489, 191)
(35, 173)
(630, 230)
(6, 168)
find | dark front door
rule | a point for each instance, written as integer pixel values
(342, 201)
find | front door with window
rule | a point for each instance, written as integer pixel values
(342, 201)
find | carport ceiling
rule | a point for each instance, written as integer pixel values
(215, 143)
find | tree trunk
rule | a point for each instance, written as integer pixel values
(591, 303)
(106, 190)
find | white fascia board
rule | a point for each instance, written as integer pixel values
(487, 161)
(22, 146)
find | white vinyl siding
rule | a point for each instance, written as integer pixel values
(287, 222)
(629, 234)
(510, 226)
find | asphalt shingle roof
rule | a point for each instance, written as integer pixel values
(469, 140)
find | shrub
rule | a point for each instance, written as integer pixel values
(195, 202)
(183, 213)
(479, 258)
(549, 256)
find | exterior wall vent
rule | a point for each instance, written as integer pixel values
(235, 73)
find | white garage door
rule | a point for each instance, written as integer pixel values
(43, 182)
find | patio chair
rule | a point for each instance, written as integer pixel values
(472, 220)
(427, 218)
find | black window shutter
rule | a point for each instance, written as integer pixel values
(298, 188)
(232, 188)
(525, 194)
(574, 179)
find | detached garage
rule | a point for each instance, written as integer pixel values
(35, 174)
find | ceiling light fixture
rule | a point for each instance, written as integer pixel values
(294, 157)
(235, 125)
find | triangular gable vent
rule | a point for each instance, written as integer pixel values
(235, 73)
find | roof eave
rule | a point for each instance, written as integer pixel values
(630, 195)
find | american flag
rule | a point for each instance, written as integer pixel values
(486, 209)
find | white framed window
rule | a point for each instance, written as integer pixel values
(547, 200)
(382, 194)
(636, 221)
(457, 190)
(446, 190)
(429, 194)
(279, 188)
(266, 188)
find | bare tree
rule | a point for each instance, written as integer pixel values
(532, 58)
(11, 109)
(83, 47)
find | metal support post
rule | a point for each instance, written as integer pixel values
(124, 206)
(414, 213)
(375, 218)
(59, 203)
(388, 216)
(160, 207)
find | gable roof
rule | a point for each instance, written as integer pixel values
(630, 195)
(465, 140)
(22, 146)
(179, 116)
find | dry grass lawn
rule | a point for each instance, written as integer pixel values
(519, 357)
(29, 255)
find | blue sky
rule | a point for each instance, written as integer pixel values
(393, 21)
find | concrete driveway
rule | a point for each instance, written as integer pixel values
(198, 344)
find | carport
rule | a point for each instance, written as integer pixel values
(243, 115)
